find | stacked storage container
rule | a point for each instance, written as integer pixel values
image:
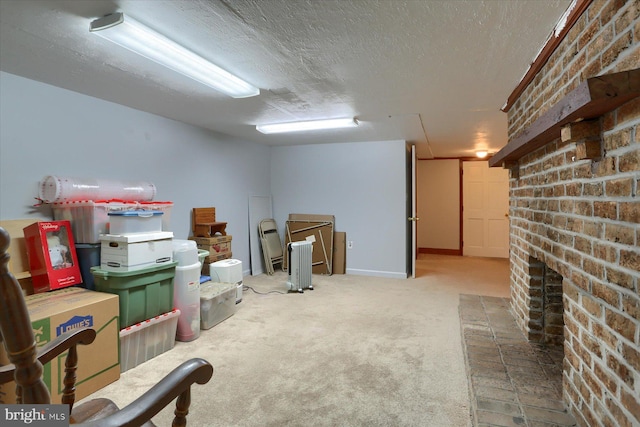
(124, 247)
(88, 220)
(136, 263)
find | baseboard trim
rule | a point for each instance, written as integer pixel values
(375, 273)
(440, 251)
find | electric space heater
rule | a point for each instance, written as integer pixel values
(299, 262)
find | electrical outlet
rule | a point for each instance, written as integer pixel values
(350, 244)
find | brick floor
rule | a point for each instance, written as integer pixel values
(512, 382)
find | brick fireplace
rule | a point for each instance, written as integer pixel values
(575, 211)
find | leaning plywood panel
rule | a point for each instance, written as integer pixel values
(312, 217)
(320, 234)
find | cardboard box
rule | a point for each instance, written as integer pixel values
(215, 245)
(52, 255)
(209, 241)
(54, 313)
(219, 248)
(135, 251)
(339, 252)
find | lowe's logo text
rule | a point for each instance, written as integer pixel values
(76, 322)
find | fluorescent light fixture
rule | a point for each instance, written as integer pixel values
(308, 125)
(132, 35)
(482, 154)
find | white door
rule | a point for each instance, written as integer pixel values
(414, 210)
(411, 238)
(485, 210)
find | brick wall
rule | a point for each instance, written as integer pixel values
(580, 219)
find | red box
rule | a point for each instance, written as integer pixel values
(52, 255)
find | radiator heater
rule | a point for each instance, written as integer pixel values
(299, 262)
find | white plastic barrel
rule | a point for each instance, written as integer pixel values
(185, 252)
(186, 298)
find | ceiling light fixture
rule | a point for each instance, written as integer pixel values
(308, 125)
(132, 35)
(481, 154)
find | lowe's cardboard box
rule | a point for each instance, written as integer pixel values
(56, 312)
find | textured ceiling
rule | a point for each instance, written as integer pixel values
(434, 73)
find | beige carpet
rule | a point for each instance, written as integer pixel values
(355, 351)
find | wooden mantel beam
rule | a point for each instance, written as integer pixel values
(591, 99)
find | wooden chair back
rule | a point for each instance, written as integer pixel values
(204, 223)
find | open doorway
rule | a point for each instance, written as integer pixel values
(463, 208)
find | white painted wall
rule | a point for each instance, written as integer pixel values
(362, 184)
(45, 130)
(438, 184)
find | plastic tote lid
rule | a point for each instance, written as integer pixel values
(141, 214)
(210, 290)
(226, 263)
(180, 245)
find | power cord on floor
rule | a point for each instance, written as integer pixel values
(245, 287)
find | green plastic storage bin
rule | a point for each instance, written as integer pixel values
(202, 254)
(143, 293)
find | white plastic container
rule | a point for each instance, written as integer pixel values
(185, 252)
(217, 303)
(89, 219)
(186, 298)
(137, 221)
(164, 207)
(135, 251)
(146, 340)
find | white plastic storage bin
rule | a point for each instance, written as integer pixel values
(89, 219)
(164, 207)
(217, 303)
(186, 298)
(135, 251)
(137, 221)
(185, 252)
(145, 340)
